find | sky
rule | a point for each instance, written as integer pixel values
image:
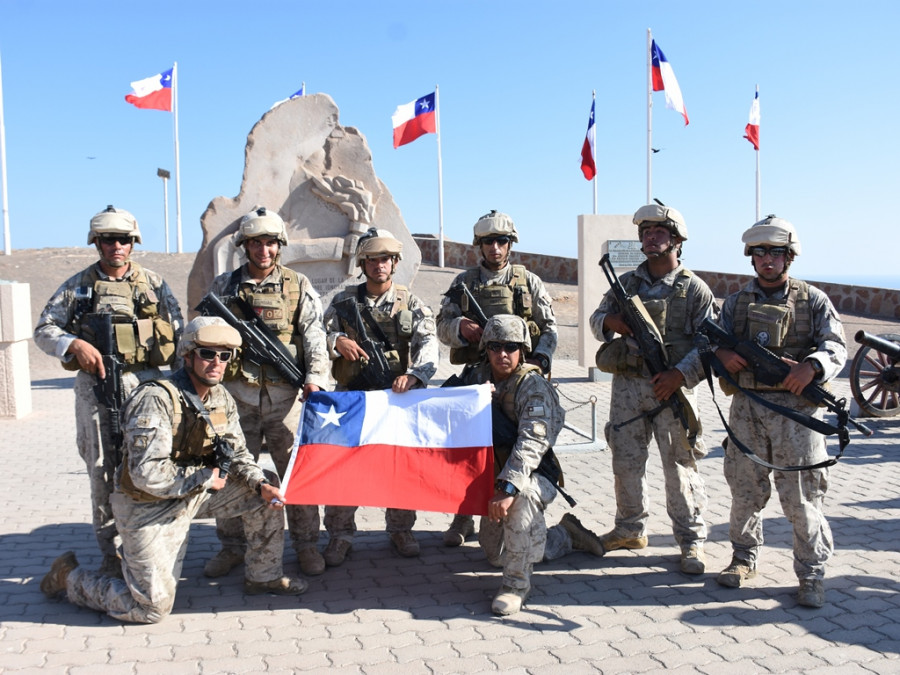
(515, 82)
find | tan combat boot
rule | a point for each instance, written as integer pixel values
(460, 529)
(509, 600)
(54, 582)
(582, 538)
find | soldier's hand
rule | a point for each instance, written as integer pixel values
(348, 348)
(616, 323)
(218, 481)
(470, 331)
(272, 496)
(499, 506)
(90, 360)
(307, 390)
(404, 383)
(732, 361)
(801, 375)
(666, 383)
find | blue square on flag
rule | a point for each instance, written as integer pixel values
(333, 419)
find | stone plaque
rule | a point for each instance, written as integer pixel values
(625, 253)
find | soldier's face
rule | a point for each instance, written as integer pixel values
(656, 240)
(262, 252)
(209, 371)
(380, 269)
(114, 250)
(771, 269)
(495, 251)
(503, 363)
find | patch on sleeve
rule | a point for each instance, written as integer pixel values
(535, 411)
(539, 429)
(146, 421)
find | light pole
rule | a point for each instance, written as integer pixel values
(162, 173)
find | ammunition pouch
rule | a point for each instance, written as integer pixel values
(619, 358)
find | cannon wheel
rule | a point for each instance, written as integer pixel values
(875, 396)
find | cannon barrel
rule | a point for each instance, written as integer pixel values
(891, 349)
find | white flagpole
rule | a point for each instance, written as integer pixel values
(7, 246)
(437, 126)
(649, 118)
(177, 161)
(594, 145)
(758, 211)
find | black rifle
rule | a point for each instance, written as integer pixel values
(223, 451)
(462, 296)
(644, 331)
(376, 372)
(260, 344)
(108, 390)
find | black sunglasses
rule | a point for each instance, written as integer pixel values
(508, 347)
(503, 240)
(208, 354)
(122, 239)
(774, 251)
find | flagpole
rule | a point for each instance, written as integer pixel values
(758, 210)
(594, 145)
(7, 246)
(177, 161)
(437, 127)
(649, 118)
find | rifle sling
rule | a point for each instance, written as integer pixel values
(366, 314)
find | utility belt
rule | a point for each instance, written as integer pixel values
(139, 343)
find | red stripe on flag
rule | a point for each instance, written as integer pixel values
(445, 480)
(158, 100)
(657, 79)
(412, 129)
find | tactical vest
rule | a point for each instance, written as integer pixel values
(142, 337)
(784, 326)
(511, 298)
(192, 437)
(277, 305)
(397, 326)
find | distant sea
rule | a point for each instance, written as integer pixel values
(873, 280)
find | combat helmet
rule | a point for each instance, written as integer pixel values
(494, 224)
(261, 222)
(506, 328)
(114, 221)
(663, 216)
(773, 231)
(377, 243)
(207, 331)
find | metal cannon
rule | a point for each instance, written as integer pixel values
(875, 375)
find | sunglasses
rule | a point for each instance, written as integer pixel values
(508, 347)
(209, 354)
(122, 239)
(774, 251)
(503, 241)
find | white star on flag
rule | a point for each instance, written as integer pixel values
(330, 417)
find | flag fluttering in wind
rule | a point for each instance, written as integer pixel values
(588, 165)
(414, 119)
(664, 80)
(751, 131)
(425, 449)
(152, 93)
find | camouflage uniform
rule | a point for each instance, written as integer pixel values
(59, 326)
(422, 362)
(632, 393)
(522, 538)
(781, 441)
(270, 408)
(157, 495)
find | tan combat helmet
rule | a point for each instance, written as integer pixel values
(377, 243)
(495, 224)
(208, 331)
(113, 221)
(506, 328)
(261, 222)
(773, 231)
(663, 216)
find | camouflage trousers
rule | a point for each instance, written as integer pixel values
(340, 521)
(95, 446)
(782, 442)
(154, 541)
(523, 539)
(629, 446)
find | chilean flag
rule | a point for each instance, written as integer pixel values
(152, 93)
(588, 167)
(425, 449)
(664, 80)
(415, 119)
(751, 131)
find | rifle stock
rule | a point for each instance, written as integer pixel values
(462, 296)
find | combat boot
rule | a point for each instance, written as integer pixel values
(509, 600)
(582, 538)
(405, 543)
(460, 529)
(54, 582)
(336, 551)
(735, 574)
(311, 561)
(615, 540)
(222, 563)
(811, 593)
(693, 560)
(280, 586)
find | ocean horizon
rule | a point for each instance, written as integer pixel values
(871, 280)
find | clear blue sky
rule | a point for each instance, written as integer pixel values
(515, 91)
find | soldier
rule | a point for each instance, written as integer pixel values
(143, 324)
(499, 288)
(269, 407)
(514, 535)
(798, 323)
(678, 301)
(184, 457)
(403, 327)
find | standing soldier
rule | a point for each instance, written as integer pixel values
(498, 288)
(129, 313)
(384, 316)
(798, 323)
(678, 302)
(269, 407)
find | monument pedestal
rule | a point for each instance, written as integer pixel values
(15, 331)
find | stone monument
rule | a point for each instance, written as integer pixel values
(319, 177)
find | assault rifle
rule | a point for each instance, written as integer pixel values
(108, 390)
(223, 451)
(650, 344)
(462, 296)
(376, 372)
(260, 345)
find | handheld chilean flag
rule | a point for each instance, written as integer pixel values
(664, 80)
(415, 119)
(588, 166)
(751, 131)
(152, 93)
(425, 449)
